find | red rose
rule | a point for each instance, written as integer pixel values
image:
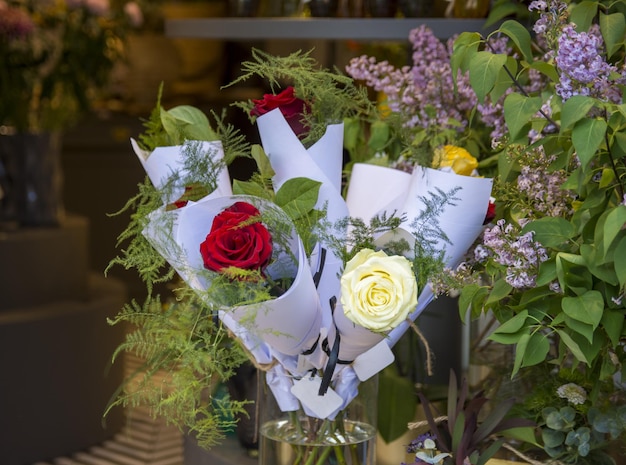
(237, 240)
(290, 106)
(491, 212)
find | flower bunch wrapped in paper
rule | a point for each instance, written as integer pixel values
(316, 287)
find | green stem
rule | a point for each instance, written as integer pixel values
(354, 453)
(311, 453)
(324, 455)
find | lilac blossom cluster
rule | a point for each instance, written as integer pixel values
(424, 92)
(520, 254)
(553, 17)
(582, 68)
(542, 186)
(417, 445)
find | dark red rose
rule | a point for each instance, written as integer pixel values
(237, 240)
(491, 212)
(290, 106)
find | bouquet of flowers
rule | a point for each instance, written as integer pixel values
(315, 288)
(57, 56)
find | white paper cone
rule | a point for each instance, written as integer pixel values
(327, 153)
(354, 339)
(164, 162)
(373, 189)
(290, 323)
(290, 159)
(461, 222)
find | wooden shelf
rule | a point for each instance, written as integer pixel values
(359, 29)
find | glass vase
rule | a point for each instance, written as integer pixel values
(30, 179)
(295, 438)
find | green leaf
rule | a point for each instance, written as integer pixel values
(472, 297)
(579, 327)
(262, 161)
(525, 434)
(504, 82)
(512, 325)
(607, 179)
(613, 29)
(552, 438)
(464, 48)
(620, 265)
(587, 308)
(520, 37)
(489, 452)
(614, 225)
(518, 111)
(574, 109)
(499, 291)
(501, 10)
(547, 273)
(484, 69)
(573, 347)
(537, 349)
(598, 267)
(458, 430)
(587, 136)
(298, 196)
(351, 133)
(590, 349)
(547, 69)
(572, 273)
(583, 13)
(550, 231)
(397, 403)
(520, 350)
(379, 136)
(613, 323)
(190, 120)
(250, 188)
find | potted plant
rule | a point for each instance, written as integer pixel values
(550, 269)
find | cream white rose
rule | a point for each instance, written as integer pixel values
(378, 291)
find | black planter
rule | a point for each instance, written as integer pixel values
(416, 8)
(381, 8)
(323, 8)
(30, 180)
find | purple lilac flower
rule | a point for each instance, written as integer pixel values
(423, 92)
(521, 255)
(542, 186)
(553, 16)
(15, 23)
(582, 68)
(418, 444)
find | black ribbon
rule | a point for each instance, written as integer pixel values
(333, 355)
(312, 349)
(318, 274)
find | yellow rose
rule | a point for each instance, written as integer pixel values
(457, 158)
(378, 291)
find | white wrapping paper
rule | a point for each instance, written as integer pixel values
(164, 162)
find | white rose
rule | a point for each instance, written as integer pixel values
(378, 291)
